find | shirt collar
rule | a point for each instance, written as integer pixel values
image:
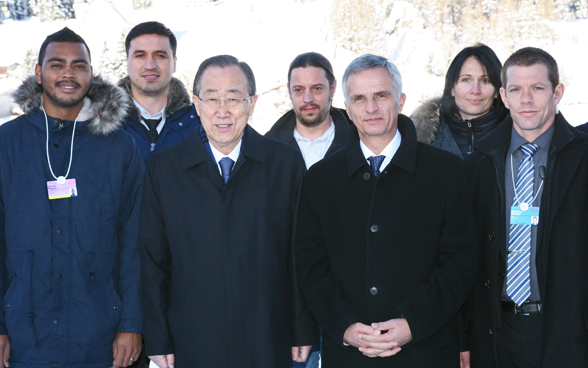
(146, 115)
(233, 155)
(543, 141)
(323, 137)
(388, 151)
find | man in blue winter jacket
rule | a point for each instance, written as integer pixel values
(162, 113)
(70, 263)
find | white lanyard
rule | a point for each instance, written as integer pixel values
(524, 206)
(61, 179)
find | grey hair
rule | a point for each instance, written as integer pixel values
(370, 61)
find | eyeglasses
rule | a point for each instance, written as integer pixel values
(213, 103)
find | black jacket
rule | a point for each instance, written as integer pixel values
(217, 258)
(562, 248)
(369, 250)
(283, 129)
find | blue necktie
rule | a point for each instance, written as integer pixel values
(226, 164)
(518, 276)
(376, 162)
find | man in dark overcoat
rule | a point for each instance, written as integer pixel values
(385, 239)
(216, 236)
(546, 325)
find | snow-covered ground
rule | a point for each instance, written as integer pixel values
(268, 34)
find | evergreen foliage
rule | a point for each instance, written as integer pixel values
(19, 9)
(113, 63)
(142, 4)
(48, 10)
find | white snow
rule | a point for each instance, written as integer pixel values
(268, 34)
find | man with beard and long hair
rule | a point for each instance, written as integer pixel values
(313, 126)
(70, 186)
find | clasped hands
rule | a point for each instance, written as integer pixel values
(382, 339)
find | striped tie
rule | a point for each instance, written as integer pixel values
(518, 277)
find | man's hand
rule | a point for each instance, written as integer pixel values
(163, 361)
(464, 359)
(4, 350)
(300, 353)
(125, 349)
(386, 344)
(356, 335)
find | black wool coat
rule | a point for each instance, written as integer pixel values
(371, 249)
(562, 248)
(217, 260)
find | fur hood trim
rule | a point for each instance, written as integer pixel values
(177, 98)
(106, 110)
(427, 119)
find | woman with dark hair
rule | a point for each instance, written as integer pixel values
(470, 107)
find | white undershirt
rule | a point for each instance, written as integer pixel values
(146, 115)
(314, 151)
(233, 155)
(389, 151)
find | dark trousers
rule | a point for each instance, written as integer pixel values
(519, 341)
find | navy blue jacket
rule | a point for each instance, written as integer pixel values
(181, 119)
(71, 267)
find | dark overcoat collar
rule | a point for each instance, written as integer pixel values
(194, 152)
(404, 158)
(283, 129)
(562, 135)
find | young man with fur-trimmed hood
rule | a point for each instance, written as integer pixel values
(162, 113)
(70, 263)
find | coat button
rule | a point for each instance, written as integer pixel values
(116, 307)
(7, 306)
(500, 276)
(374, 290)
(487, 283)
(180, 124)
(366, 176)
(374, 228)
(59, 231)
(191, 116)
(492, 236)
(56, 321)
(59, 276)
(490, 331)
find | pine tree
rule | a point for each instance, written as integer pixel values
(19, 9)
(142, 4)
(113, 64)
(48, 10)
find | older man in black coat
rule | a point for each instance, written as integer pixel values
(385, 240)
(216, 230)
(548, 327)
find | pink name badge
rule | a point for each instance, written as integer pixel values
(66, 190)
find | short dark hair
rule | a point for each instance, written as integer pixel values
(313, 59)
(151, 28)
(530, 56)
(64, 35)
(485, 56)
(224, 61)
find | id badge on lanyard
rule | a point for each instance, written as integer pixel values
(61, 187)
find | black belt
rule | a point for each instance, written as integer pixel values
(525, 308)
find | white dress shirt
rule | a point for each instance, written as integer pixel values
(314, 151)
(389, 151)
(233, 155)
(146, 115)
